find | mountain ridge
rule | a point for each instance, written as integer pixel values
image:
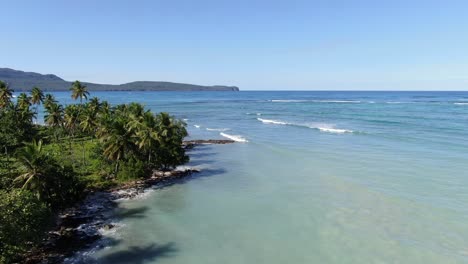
(25, 81)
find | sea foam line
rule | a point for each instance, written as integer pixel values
(218, 129)
(461, 103)
(236, 138)
(321, 127)
(314, 101)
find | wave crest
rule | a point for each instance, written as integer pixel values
(321, 127)
(236, 138)
(217, 129)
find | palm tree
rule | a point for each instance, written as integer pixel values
(5, 94)
(145, 132)
(24, 102)
(71, 117)
(94, 105)
(37, 96)
(116, 138)
(49, 100)
(54, 115)
(79, 91)
(23, 107)
(33, 161)
(171, 134)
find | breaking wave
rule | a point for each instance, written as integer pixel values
(236, 138)
(321, 127)
(217, 129)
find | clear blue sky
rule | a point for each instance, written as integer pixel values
(256, 45)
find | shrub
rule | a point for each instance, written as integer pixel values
(23, 220)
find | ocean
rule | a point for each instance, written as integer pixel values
(315, 177)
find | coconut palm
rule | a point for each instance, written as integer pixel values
(145, 132)
(33, 162)
(5, 94)
(71, 121)
(54, 115)
(170, 137)
(79, 90)
(37, 96)
(54, 118)
(116, 138)
(94, 105)
(88, 120)
(71, 117)
(49, 99)
(24, 101)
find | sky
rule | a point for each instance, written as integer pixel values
(255, 45)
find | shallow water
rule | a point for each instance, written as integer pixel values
(322, 177)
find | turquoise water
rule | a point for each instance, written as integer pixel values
(322, 177)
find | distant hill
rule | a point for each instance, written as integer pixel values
(23, 81)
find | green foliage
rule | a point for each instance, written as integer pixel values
(171, 134)
(79, 91)
(89, 145)
(15, 128)
(5, 95)
(42, 175)
(23, 220)
(131, 170)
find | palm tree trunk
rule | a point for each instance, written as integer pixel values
(116, 167)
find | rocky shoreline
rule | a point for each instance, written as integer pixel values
(80, 226)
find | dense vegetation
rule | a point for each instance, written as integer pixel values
(82, 146)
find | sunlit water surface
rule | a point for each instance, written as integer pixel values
(325, 177)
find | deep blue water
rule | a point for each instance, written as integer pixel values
(321, 177)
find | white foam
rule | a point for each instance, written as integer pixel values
(197, 126)
(338, 101)
(321, 127)
(185, 119)
(268, 121)
(397, 102)
(217, 129)
(314, 101)
(287, 101)
(236, 138)
(461, 103)
(334, 130)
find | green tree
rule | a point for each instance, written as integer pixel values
(23, 221)
(49, 99)
(24, 101)
(145, 130)
(79, 90)
(33, 161)
(5, 94)
(54, 115)
(171, 133)
(54, 118)
(42, 175)
(116, 138)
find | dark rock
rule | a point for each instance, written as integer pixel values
(189, 144)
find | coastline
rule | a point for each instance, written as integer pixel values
(78, 227)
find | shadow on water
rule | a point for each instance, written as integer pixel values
(201, 154)
(205, 173)
(200, 162)
(139, 254)
(131, 213)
